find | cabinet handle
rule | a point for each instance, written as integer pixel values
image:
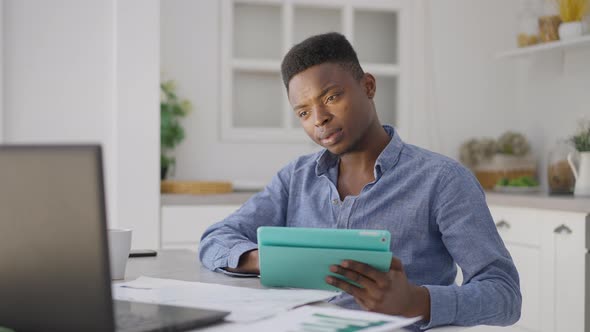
(502, 224)
(562, 229)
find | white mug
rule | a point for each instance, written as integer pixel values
(119, 247)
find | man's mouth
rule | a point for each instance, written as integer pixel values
(331, 137)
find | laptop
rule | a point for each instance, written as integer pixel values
(301, 257)
(54, 268)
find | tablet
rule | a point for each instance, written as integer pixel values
(301, 257)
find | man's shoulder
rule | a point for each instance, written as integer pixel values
(432, 161)
(440, 171)
(304, 163)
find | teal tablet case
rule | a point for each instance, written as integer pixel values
(301, 257)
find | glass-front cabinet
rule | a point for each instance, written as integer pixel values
(257, 33)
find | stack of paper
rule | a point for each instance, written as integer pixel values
(320, 319)
(245, 304)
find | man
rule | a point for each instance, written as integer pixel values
(368, 178)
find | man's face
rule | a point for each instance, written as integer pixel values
(334, 108)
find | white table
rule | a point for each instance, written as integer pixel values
(185, 265)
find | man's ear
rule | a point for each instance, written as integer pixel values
(370, 85)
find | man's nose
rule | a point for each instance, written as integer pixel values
(322, 116)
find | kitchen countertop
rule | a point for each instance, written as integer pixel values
(540, 201)
(235, 198)
(534, 201)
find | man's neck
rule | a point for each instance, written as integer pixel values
(365, 155)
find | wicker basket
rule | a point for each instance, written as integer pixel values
(195, 187)
(504, 166)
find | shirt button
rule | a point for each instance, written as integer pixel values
(335, 201)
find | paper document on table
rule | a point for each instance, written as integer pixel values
(245, 304)
(320, 319)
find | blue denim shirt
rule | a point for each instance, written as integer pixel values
(434, 208)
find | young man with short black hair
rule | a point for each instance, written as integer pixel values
(368, 178)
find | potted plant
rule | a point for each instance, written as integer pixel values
(505, 161)
(581, 165)
(572, 13)
(172, 110)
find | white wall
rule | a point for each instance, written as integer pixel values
(87, 71)
(554, 94)
(59, 74)
(474, 94)
(137, 113)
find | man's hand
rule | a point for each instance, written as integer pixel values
(385, 292)
(248, 263)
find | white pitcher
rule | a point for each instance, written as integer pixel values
(581, 169)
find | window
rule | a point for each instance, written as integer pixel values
(257, 33)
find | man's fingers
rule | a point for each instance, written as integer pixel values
(365, 270)
(396, 264)
(360, 279)
(345, 286)
(361, 295)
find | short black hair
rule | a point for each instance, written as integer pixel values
(329, 47)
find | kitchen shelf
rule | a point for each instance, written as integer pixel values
(556, 45)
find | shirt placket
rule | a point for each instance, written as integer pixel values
(344, 211)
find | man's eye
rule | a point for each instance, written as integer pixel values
(331, 98)
(302, 114)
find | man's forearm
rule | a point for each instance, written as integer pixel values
(248, 263)
(218, 251)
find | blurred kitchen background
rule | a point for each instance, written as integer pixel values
(193, 86)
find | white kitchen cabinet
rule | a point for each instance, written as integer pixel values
(183, 225)
(549, 250)
(256, 34)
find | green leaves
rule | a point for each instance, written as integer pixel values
(581, 139)
(166, 162)
(522, 181)
(513, 143)
(172, 110)
(171, 132)
(582, 142)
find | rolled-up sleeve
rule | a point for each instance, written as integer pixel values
(490, 293)
(223, 243)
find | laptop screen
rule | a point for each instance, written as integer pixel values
(53, 251)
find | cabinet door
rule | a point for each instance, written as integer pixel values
(522, 235)
(570, 273)
(183, 226)
(528, 261)
(550, 252)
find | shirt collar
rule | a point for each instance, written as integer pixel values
(387, 159)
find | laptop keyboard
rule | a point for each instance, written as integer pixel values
(129, 322)
(147, 317)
